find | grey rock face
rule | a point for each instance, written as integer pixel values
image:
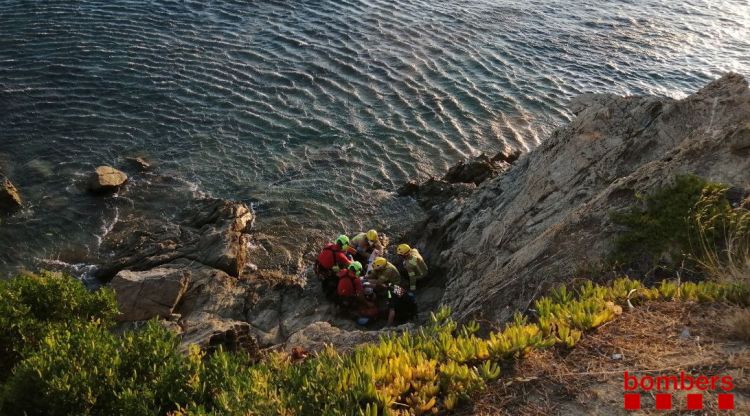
(194, 270)
(148, 294)
(547, 216)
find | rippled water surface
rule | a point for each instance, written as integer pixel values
(313, 110)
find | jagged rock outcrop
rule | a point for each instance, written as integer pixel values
(460, 180)
(475, 170)
(195, 269)
(213, 232)
(10, 198)
(106, 179)
(536, 224)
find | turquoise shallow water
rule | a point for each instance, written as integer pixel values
(312, 110)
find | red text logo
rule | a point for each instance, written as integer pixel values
(662, 386)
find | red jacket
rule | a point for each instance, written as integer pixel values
(349, 284)
(332, 255)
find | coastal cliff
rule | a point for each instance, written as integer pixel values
(236, 323)
(539, 223)
(492, 247)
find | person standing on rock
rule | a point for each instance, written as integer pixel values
(413, 263)
(330, 261)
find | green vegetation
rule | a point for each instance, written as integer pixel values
(722, 242)
(691, 225)
(65, 360)
(31, 306)
(77, 366)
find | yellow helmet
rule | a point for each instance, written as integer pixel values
(403, 249)
(379, 263)
(372, 235)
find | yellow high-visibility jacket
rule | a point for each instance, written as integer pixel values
(415, 267)
(388, 274)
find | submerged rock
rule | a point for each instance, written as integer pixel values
(106, 179)
(139, 163)
(548, 216)
(10, 198)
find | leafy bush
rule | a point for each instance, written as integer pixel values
(33, 305)
(82, 368)
(662, 226)
(690, 223)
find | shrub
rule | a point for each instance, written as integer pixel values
(738, 324)
(82, 368)
(690, 223)
(32, 305)
(721, 238)
(661, 226)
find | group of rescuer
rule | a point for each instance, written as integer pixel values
(357, 275)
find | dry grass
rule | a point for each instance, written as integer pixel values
(737, 324)
(650, 340)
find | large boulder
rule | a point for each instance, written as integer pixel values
(149, 294)
(548, 216)
(106, 179)
(10, 198)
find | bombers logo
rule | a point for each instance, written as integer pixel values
(662, 385)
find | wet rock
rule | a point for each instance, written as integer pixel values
(474, 170)
(106, 179)
(408, 189)
(10, 198)
(460, 180)
(139, 163)
(148, 294)
(508, 156)
(436, 192)
(548, 215)
(213, 232)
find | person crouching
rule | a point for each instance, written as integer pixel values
(349, 287)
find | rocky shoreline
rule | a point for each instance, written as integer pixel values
(498, 231)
